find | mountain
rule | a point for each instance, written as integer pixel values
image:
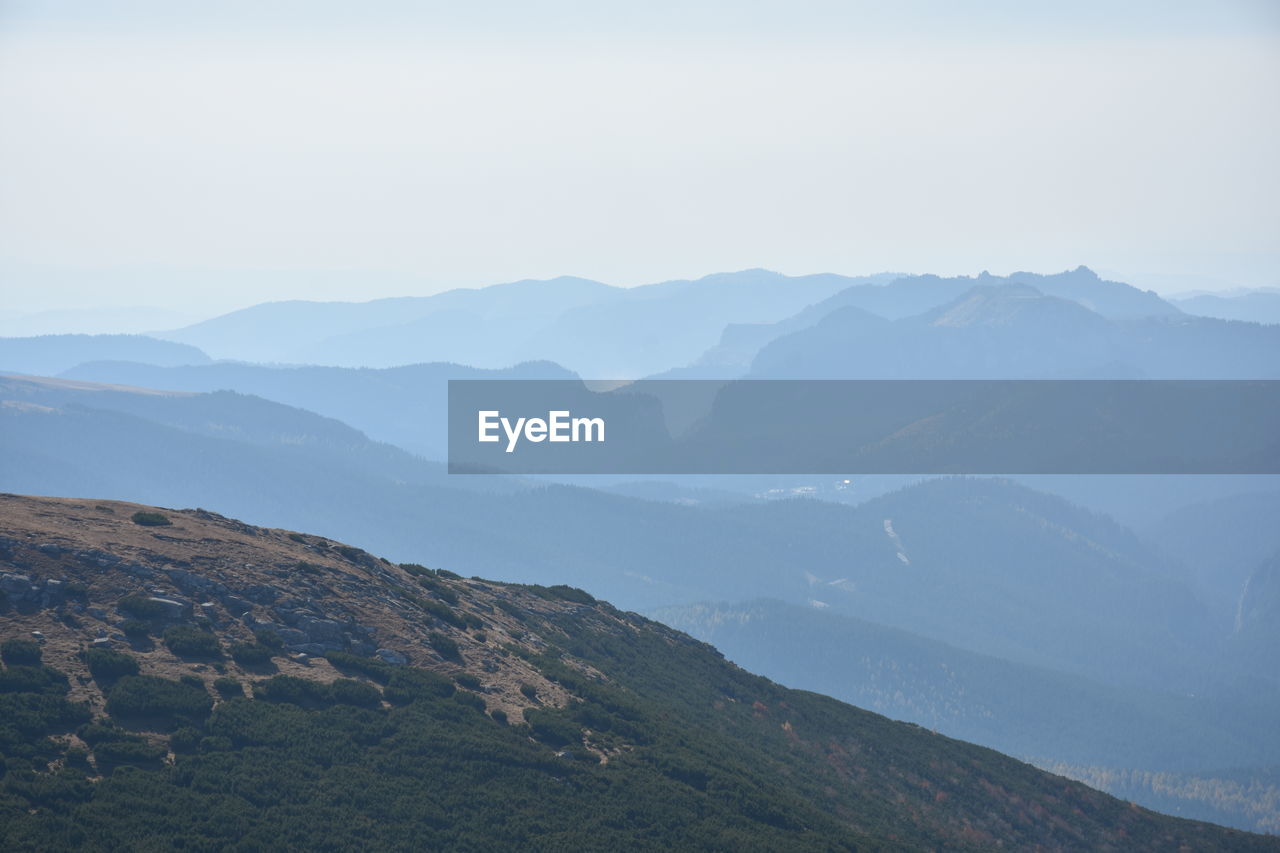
(404, 406)
(1018, 709)
(48, 355)
(287, 331)
(591, 328)
(207, 681)
(909, 296)
(656, 327)
(1260, 306)
(1112, 299)
(981, 557)
(1220, 542)
(486, 327)
(1013, 331)
(1256, 642)
(990, 568)
(1024, 711)
(976, 562)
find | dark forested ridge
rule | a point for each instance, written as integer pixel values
(178, 678)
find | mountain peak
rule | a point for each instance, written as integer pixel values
(1002, 305)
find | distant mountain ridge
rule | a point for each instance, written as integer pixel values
(400, 405)
(49, 355)
(1257, 307)
(591, 328)
(272, 462)
(594, 329)
(282, 331)
(1013, 331)
(912, 296)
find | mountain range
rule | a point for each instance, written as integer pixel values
(1257, 306)
(1138, 658)
(1014, 331)
(49, 355)
(593, 329)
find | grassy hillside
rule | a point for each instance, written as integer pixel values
(178, 677)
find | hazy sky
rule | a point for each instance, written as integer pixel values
(204, 156)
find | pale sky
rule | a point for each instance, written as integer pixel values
(202, 157)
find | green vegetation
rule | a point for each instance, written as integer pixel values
(150, 519)
(185, 739)
(442, 612)
(345, 691)
(551, 728)
(269, 639)
(135, 629)
(190, 641)
(106, 664)
(294, 690)
(562, 592)
(149, 696)
(130, 751)
(347, 662)
(417, 685)
(140, 607)
(717, 760)
(17, 652)
(250, 654)
(701, 756)
(44, 680)
(469, 700)
(444, 646)
(228, 687)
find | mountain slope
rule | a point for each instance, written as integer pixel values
(1220, 542)
(627, 734)
(1018, 709)
(983, 556)
(909, 296)
(591, 328)
(286, 331)
(1093, 732)
(1256, 307)
(976, 563)
(1256, 642)
(986, 558)
(48, 355)
(655, 327)
(1014, 331)
(404, 406)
